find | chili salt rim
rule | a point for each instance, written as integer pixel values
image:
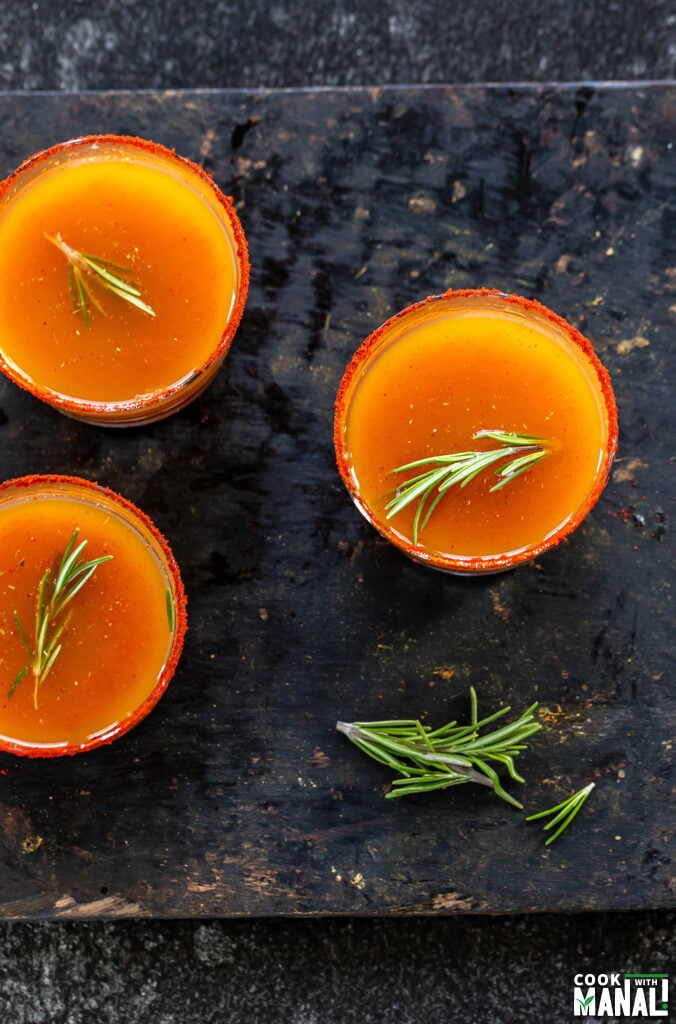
(180, 617)
(471, 565)
(158, 399)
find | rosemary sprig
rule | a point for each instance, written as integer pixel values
(522, 451)
(84, 270)
(171, 614)
(428, 759)
(50, 622)
(567, 810)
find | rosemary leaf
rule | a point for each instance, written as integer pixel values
(22, 636)
(171, 614)
(422, 785)
(19, 677)
(567, 810)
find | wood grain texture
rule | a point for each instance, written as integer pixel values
(236, 796)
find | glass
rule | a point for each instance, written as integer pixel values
(439, 373)
(159, 224)
(123, 631)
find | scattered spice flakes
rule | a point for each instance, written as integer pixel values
(499, 608)
(444, 673)
(422, 204)
(206, 145)
(243, 166)
(640, 520)
(626, 470)
(670, 278)
(629, 515)
(552, 714)
(31, 844)
(434, 158)
(319, 759)
(629, 344)
(452, 901)
(459, 192)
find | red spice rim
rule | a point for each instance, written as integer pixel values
(81, 407)
(481, 563)
(180, 625)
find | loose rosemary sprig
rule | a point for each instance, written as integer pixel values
(84, 270)
(50, 622)
(567, 810)
(522, 451)
(428, 759)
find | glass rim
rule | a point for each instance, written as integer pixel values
(160, 545)
(166, 398)
(472, 565)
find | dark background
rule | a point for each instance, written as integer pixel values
(412, 970)
(122, 44)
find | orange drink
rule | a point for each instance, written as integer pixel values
(475, 430)
(123, 277)
(92, 615)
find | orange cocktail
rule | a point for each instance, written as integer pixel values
(78, 673)
(123, 277)
(437, 386)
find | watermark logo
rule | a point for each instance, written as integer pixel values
(621, 995)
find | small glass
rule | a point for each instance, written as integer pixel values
(121, 634)
(436, 380)
(138, 347)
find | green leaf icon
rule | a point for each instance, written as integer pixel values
(586, 1002)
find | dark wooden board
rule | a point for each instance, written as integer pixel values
(236, 796)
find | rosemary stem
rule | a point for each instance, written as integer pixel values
(353, 731)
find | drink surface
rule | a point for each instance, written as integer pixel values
(450, 375)
(158, 223)
(117, 639)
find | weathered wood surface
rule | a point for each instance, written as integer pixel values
(236, 796)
